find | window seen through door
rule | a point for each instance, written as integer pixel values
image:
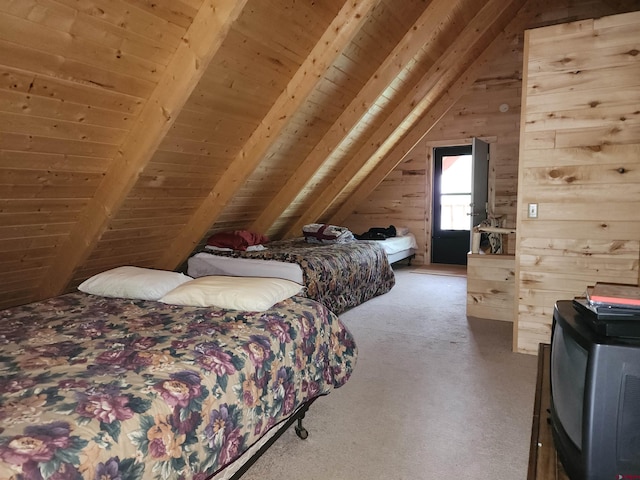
(455, 192)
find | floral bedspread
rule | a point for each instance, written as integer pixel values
(103, 388)
(340, 275)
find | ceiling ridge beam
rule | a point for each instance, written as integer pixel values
(422, 33)
(333, 41)
(426, 92)
(196, 49)
(435, 114)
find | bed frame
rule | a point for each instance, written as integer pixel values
(399, 256)
(301, 432)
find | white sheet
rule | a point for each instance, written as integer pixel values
(203, 264)
(398, 244)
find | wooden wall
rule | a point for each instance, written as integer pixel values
(405, 199)
(580, 162)
(74, 78)
(130, 130)
(589, 223)
(400, 201)
(476, 113)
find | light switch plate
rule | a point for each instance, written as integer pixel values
(533, 210)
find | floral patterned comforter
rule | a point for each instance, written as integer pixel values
(104, 388)
(340, 275)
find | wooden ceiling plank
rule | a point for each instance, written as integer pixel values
(172, 11)
(35, 143)
(49, 40)
(56, 128)
(433, 116)
(134, 20)
(333, 41)
(24, 103)
(63, 90)
(419, 35)
(210, 26)
(433, 85)
(53, 162)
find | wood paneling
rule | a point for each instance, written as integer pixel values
(491, 286)
(476, 114)
(297, 112)
(465, 47)
(331, 44)
(584, 175)
(73, 79)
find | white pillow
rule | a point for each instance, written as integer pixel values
(253, 294)
(133, 282)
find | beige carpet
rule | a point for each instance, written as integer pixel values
(434, 395)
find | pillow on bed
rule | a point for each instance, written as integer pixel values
(253, 294)
(133, 282)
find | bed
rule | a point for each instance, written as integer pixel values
(340, 275)
(97, 387)
(401, 247)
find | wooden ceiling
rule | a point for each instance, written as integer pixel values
(130, 130)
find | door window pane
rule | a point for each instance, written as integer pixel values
(456, 174)
(455, 192)
(454, 212)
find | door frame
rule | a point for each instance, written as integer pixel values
(457, 239)
(480, 148)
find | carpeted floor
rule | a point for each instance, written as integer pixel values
(434, 395)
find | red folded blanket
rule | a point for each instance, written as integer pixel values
(236, 240)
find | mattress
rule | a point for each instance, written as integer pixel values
(203, 264)
(398, 244)
(340, 275)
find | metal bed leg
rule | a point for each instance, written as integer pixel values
(300, 430)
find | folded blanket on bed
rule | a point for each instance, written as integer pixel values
(236, 240)
(323, 233)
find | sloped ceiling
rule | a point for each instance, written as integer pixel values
(130, 130)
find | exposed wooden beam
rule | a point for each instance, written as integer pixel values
(421, 35)
(434, 84)
(200, 43)
(433, 116)
(336, 37)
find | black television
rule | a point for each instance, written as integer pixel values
(595, 398)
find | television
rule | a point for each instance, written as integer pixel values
(595, 398)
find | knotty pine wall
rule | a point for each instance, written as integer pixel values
(477, 113)
(404, 197)
(398, 199)
(74, 78)
(580, 161)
